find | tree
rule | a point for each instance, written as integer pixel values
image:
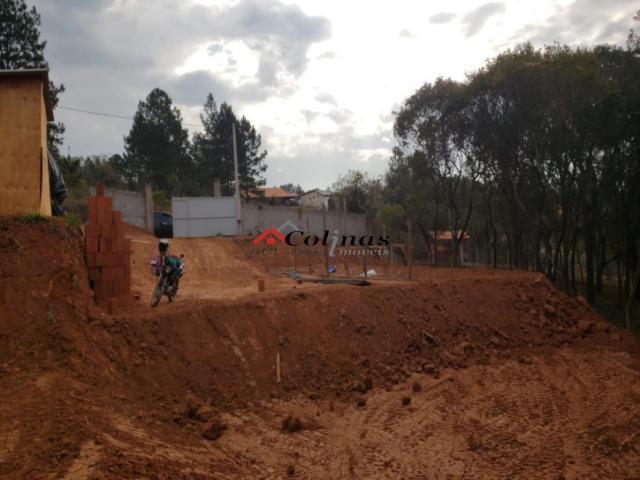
(361, 193)
(409, 184)
(435, 129)
(212, 150)
(102, 169)
(21, 48)
(538, 151)
(71, 168)
(156, 149)
(291, 188)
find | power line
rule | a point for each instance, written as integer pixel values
(113, 115)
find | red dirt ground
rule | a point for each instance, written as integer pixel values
(517, 379)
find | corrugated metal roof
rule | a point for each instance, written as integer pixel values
(271, 192)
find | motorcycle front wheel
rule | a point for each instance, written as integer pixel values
(157, 294)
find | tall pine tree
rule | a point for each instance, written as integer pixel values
(156, 149)
(21, 48)
(213, 150)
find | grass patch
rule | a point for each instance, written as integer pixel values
(73, 219)
(32, 218)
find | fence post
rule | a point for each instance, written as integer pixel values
(364, 263)
(309, 246)
(148, 207)
(326, 247)
(385, 261)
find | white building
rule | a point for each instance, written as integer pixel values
(315, 198)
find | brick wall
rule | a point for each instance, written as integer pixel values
(108, 253)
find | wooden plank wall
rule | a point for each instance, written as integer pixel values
(23, 175)
(45, 190)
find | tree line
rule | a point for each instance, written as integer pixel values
(158, 150)
(536, 154)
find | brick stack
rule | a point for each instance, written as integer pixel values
(108, 253)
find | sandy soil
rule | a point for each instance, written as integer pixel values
(457, 374)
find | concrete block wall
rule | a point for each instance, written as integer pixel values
(132, 205)
(257, 218)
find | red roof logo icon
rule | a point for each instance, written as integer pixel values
(271, 235)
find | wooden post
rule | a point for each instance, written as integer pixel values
(295, 259)
(364, 262)
(326, 247)
(236, 177)
(385, 261)
(410, 247)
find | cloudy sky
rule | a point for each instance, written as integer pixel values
(320, 79)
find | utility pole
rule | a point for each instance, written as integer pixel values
(237, 182)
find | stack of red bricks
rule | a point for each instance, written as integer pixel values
(108, 253)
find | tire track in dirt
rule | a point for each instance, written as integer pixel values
(551, 419)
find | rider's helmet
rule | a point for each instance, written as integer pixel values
(163, 246)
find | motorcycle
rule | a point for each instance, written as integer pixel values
(167, 282)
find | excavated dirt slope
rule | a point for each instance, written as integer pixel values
(458, 374)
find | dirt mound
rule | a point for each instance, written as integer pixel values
(333, 340)
(44, 292)
(44, 306)
(187, 390)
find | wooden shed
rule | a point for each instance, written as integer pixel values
(25, 109)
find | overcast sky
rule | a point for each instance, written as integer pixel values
(320, 79)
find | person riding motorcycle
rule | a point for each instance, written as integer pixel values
(176, 264)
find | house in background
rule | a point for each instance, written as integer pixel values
(272, 196)
(315, 198)
(442, 248)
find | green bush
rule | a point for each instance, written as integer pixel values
(32, 218)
